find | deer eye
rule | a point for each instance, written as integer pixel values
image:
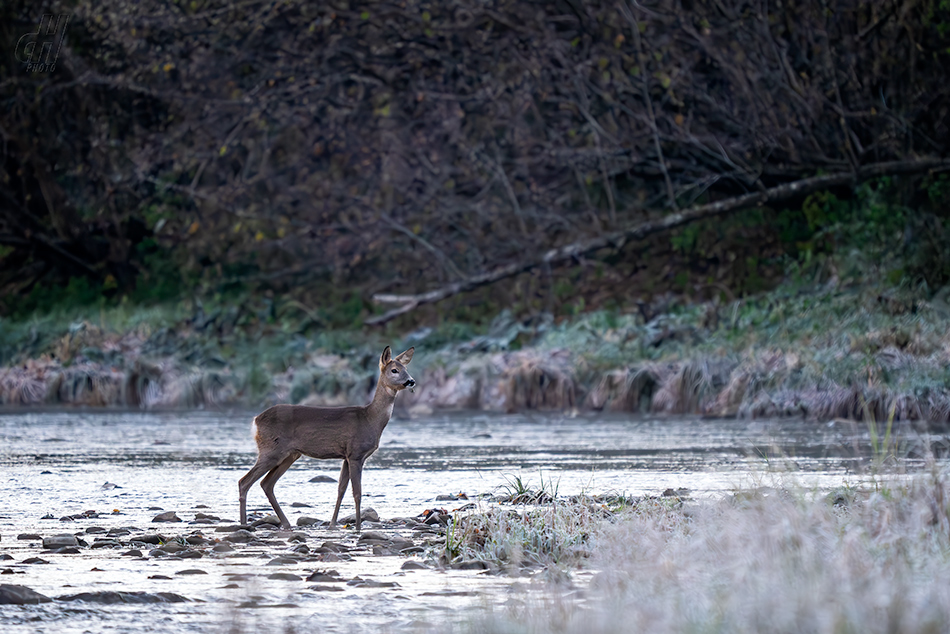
(395, 371)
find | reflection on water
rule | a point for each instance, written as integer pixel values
(56, 463)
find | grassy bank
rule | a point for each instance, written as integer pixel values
(853, 350)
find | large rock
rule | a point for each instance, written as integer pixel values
(168, 516)
(20, 595)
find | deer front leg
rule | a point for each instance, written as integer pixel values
(356, 475)
(341, 491)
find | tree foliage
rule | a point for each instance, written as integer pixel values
(397, 146)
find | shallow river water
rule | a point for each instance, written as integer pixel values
(130, 466)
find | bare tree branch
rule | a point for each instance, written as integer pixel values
(640, 231)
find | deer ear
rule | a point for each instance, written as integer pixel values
(385, 358)
(406, 356)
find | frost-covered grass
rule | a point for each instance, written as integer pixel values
(774, 560)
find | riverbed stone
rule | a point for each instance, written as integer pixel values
(60, 541)
(284, 576)
(34, 560)
(223, 548)
(150, 538)
(308, 521)
(368, 515)
(240, 537)
(132, 553)
(29, 536)
(191, 571)
(282, 561)
(11, 594)
(113, 597)
(168, 516)
(413, 565)
(323, 478)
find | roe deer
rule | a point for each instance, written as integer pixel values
(285, 432)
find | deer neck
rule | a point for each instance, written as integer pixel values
(380, 408)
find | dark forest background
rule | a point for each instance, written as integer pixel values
(323, 153)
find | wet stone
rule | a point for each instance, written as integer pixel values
(297, 537)
(132, 553)
(240, 537)
(20, 595)
(34, 560)
(60, 541)
(233, 527)
(413, 565)
(197, 540)
(282, 561)
(325, 576)
(190, 554)
(471, 565)
(30, 536)
(322, 478)
(106, 543)
(356, 582)
(368, 515)
(113, 597)
(191, 571)
(272, 520)
(5, 557)
(284, 576)
(205, 516)
(170, 516)
(308, 521)
(302, 549)
(150, 538)
(65, 550)
(301, 505)
(95, 530)
(160, 577)
(222, 548)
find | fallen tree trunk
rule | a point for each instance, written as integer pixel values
(619, 238)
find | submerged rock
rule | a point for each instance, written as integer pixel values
(168, 516)
(112, 597)
(20, 595)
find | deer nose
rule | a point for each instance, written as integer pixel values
(409, 383)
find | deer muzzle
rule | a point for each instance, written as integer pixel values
(411, 383)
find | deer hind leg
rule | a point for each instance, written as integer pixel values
(340, 490)
(271, 479)
(262, 466)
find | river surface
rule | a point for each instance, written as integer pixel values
(130, 466)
